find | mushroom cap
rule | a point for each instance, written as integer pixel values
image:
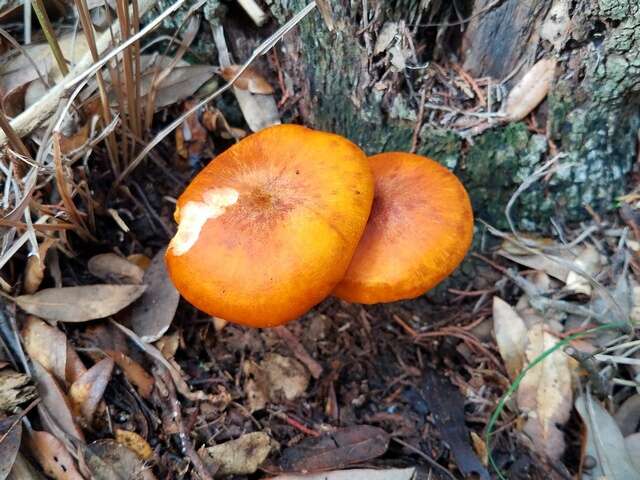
(419, 230)
(267, 229)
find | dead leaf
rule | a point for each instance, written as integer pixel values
(632, 442)
(140, 260)
(79, 304)
(531, 90)
(86, 392)
(545, 394)
(52, 456)
(259, 111)
(360, 474)
(605, 443)
(152, 315)
(47, 345)
(75, 368)
(275, 378)
(181, 83)
(76, 140)
(24, 470)
(134, 372)
(19, 71)
(135, 443)
(547, 264)
(587, 260)
(192, 139)
(9, 443)
(109, 460)
(250, 80)
(14, 389)
(112, 268)
(34, 272)
(168, 345)
(386, 35)
(55, 401)
(511, 336)
(241, 456)
(344, 447)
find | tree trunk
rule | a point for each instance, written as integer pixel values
(391, 76)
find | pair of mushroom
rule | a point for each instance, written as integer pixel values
(289, 216)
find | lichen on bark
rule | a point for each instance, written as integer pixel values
(592, 112)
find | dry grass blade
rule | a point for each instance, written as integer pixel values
(87, 26)
(52, 39)
(62, 183)
(261, 50)
(160, 75)
(43, 109)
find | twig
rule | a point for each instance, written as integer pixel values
(172, 420)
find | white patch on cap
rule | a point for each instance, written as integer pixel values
(193, 216)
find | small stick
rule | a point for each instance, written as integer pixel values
(172, 420)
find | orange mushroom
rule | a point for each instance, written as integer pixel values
(268, 228)
(419, 230)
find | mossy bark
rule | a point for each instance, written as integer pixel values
(591, 113)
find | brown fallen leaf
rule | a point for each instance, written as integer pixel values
(241, 456)
(15, 389)
(604, 442)
(250, 80)
(55, 401)
(588, 260)
(47, 345)
(344, 447)
(86, 392)
(531, 90)
(75, 367)
(135, 443)
(152, 315)
(140, 260)
(275, 378)
(79, 304)
(181, 83)
(112, 268)
(34, 272)
(134, 372)
(10, 437)
(24, 470)
(109, 460)
(545, 394)
(511, 336)
(52, 456)
(75, 140)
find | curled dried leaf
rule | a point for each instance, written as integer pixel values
(531, 90)
(87, 391)
(250, 80)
